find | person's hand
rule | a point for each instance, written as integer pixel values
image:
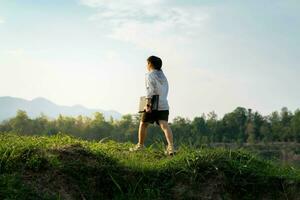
(147, 109)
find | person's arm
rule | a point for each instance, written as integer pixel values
(148, 105)
(150, 88)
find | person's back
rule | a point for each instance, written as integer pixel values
(160, 87)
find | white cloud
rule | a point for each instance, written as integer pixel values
(158, 26)
(112, 55)
(2, 20)
(120, 3)
(144, 22)
(16, 52)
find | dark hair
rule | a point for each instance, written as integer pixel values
(155, 61)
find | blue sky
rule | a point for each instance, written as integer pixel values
(217, 55)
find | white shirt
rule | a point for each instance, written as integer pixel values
(157, 83)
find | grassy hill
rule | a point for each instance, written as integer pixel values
(63, 167)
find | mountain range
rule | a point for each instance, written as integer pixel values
(10, 105)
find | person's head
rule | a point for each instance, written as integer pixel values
(154, 63)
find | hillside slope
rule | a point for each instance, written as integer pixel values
(63, 167)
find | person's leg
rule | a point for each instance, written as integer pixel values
(143, 132)
(167, 130)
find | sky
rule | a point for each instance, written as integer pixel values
(217, 55)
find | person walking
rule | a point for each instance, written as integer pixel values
(156, 84)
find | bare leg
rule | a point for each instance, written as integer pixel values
(142, 132)
(167, 130)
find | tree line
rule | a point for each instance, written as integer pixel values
(239, 126)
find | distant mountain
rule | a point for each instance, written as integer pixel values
(10, 105)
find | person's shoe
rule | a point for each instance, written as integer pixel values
(170, 150)
(137, 147)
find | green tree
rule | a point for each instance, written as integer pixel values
(250, 133)
(276, 128)
(199, 127)
(234, 125)
(127, 129)
(286, 118)
(266, 132)
(295, 125)
(181, 128)
(21, 123)
(40, 125)
(99, 128)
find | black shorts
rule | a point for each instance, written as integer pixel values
(154, 116)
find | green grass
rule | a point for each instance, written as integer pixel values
(63, 167)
